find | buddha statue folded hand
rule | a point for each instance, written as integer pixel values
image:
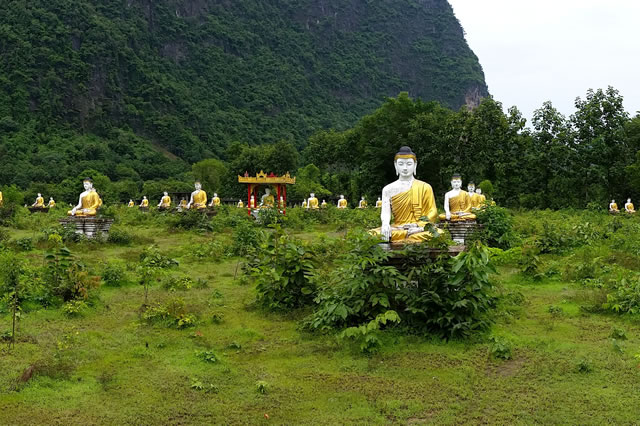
(88, 203)
(198, 198)
(457, 203)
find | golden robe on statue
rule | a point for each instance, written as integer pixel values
(90, 204)
(269, 201)
(407, 208)
(199, 200)
(461, 203)
(165, 202)
(313, 203)
(39, 202)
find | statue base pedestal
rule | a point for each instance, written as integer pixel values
(39, 209)
(90, 227)
(461, 230)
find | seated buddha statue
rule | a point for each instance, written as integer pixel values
(1, 199)
(131, 203)
(613, 207)
(267, 200)
(342, 203)
(379, 203)
(252, 202)
(323, 205)
(51, 204)
(363, 203)
(88, 202)
(240, 204)
(475, 200)
(281, 203)
(144, 203)
(480, 199)
(312, 202)
(39, 201)
(183, 204)
(410, 201)
(165, 201)
(304, 203)
(457, 203)
(215, 201)
(628, 206)
(198, 199)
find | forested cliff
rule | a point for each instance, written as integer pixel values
(138, 89)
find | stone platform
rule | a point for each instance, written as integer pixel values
(461, 231)
(39, 209)
(87, 226)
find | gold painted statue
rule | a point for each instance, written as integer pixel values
(363, 203)
(304, 204)
(342, 203)
(379, 203)
(240, 204)
(613, 207)
(198, 198)
(183, 204)
(88, 202)
(409, 200)
(144, 203)
(51, 204)
(281, 203)
(267, 200)
(131, 203)
(215, 201)
(323, 205)
(252, 202)
(479, 199)
(628, 206)
(312, 203)
(1, 199)
(457, 203)
(165, 201)
(39, 201)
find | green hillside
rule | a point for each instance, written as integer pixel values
(137, 89)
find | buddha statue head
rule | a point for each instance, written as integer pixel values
(479, 191)
(456, 181)
(341, 197)
(405, 163)
(628, 200)
(197, 185)
(51, 198)
(87, 183)
(471, 187)
(362, 198)
(165, 193)
(130, 200)
(144, 197)
(613, 201)
(39, 194)
(312, 195)
(215, 194)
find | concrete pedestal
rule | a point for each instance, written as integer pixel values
(87, 226)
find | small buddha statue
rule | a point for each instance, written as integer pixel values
(51, 204)
(165, 201)
(240, 204)
(39, 202)
(457, 203)
(379, 203)
(198, 199)
(131, 203)
(480, 199)
(363, 203)
(613, 207)
(323, 205)
(183, 204)
(312, 203)
(409, 200)
(88, 202)
(267, 200)
(304, 204)
(215, 201)
(628, 206)
(475, 200)
(252, 202)
(281, 202)
(1, 199)
(144, 203)
(342, 203)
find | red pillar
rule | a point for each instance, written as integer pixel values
(249, 200)
(284, 208)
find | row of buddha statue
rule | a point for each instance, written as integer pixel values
(39, 203)
(413, 206)
(628, 207)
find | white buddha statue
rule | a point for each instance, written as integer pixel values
(613, 207)
(409, 200)
(379, 203)
(312, 202)
(51, 204)
(267, 200)
(144, 203)
(628, 206)
(198, 198)
(478, 200)
(457, 203)
(252, 202)
(323, 205)
(342, 203)
(131, 203)
(215, 201)
(281, 203)
(39, 201)
(165, 201)
(240, 204)
(363, 203)
(88, 202)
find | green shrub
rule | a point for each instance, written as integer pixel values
(499, 348)
(120, 237)
(246, 237)
(625, 298)
(497, 227)
(24, 244)
(75, 308)
(174, 314)
(114, 274)
(281, 271)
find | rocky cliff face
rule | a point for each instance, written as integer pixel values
(194, 75)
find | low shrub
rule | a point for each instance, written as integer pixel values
(114, 274)
(174, 315)
(497, 227)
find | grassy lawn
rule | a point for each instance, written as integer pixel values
(109, 366)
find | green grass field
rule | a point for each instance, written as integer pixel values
(108, 366)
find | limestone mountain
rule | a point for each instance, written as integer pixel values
(134, 82)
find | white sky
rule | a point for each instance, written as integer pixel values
(538, 50)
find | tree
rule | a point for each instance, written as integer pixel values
(211, 173)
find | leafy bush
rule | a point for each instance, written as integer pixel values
(114, 274)
(174, 314)
(66, 277)
(120, 237)
(24, 244)
(246, 237)
(497, 227)
(367, 335)
(281, 270)
(500, 348)
(74, 308)
(625, 297)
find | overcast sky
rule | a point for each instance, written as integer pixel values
(534, 51)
